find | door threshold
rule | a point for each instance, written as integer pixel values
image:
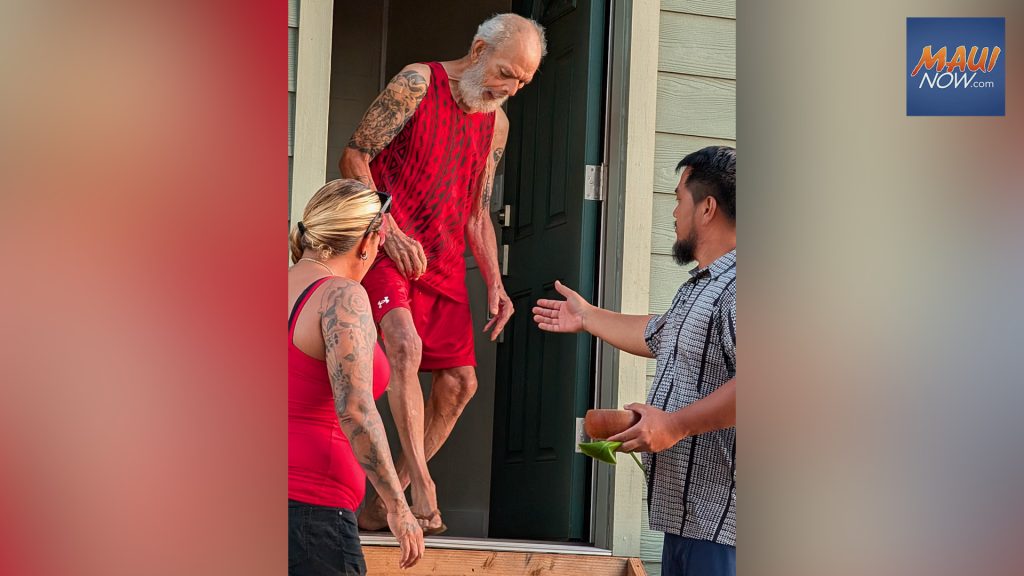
(490, 545)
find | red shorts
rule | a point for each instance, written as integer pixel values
(442, 320)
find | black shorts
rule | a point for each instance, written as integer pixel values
(323, 541)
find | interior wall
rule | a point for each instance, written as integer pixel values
(422, 30)
(355, 72)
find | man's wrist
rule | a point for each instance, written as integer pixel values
(393, 230)
(680, 425)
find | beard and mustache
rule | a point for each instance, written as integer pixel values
(684, 251)
(472, 88)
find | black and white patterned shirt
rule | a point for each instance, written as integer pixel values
(691, 487)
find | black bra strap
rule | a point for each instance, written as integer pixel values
(302, 298)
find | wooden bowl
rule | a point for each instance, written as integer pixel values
(600, 424)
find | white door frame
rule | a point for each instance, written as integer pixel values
(632, 97)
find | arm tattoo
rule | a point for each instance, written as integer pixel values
(490, 168)
(349, 342)
(389, 113)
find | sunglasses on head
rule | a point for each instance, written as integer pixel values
(385, 207)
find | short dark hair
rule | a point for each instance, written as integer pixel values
(713, 173)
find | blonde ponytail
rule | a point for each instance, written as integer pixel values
(295, 244)
(334, 219)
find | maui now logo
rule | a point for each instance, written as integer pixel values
(955, 68)
(962, 61)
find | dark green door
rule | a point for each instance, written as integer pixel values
(539, 485)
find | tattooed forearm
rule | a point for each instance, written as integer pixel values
(389, 113)
(349, 340)
(485, 196)
(488, 180)
(366, 434)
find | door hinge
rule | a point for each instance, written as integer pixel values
(595, 182)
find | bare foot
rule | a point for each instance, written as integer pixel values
(425, 510)
(374, 516)
(432, 525)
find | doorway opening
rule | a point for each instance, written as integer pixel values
(508, 470)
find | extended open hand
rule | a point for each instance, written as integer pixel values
(567, 316)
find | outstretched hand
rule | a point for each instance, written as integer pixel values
(565, 316)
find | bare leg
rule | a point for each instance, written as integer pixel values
(406, 399)
(450, 392)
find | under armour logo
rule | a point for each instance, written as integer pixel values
(381, 303)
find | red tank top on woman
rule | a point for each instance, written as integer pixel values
(322, 468)
(432, 170)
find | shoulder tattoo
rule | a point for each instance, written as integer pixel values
(389, 113)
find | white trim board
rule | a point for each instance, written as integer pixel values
(489, 545)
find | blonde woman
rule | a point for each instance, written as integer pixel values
(336, 370)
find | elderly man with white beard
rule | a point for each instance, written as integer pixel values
(432, 140)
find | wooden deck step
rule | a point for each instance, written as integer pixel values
(383, 561)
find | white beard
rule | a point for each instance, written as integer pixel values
(471, 89)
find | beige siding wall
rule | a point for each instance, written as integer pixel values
(293, 50)
(696, 107)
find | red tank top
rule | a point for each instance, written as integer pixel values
(432, 170)
(322, 469)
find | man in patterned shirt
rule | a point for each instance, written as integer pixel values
(688, 423)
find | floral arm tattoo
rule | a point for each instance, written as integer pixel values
(389, 113)
(349, 342)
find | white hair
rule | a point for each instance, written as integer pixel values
(498, 28)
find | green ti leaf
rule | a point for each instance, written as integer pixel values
(604, 451)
